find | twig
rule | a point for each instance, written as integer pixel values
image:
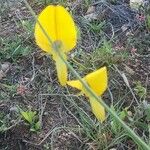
(127, 84)
(42, 111)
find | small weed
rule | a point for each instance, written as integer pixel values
(147, 110)
(87, 3)
(148, 21)
(3, 125)
(96, 27)
(106, 54)
(14, 49)
(115, 127)
(32, 119)
(46, 146)
(8, 91)
(28, 26)
(140, 90)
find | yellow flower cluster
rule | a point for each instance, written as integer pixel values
(60, 27)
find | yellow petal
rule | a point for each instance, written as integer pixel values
(75, 84)
(97, 80)
(66, 28)
(97, 109)
(46, 19)
(59, 26)
(61, 70)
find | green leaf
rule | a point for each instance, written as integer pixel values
(26, 116)
(147, 112)
(148, 21)
(29, 116)
(114, 124)
(37, 125)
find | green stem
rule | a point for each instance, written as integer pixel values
(134, 136)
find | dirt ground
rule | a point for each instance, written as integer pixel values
(29, 80)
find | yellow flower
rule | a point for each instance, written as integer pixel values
(97, 81)
(60, 27)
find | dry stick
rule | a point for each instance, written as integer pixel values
(127, 84)
(134, 136)
(12, 126)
